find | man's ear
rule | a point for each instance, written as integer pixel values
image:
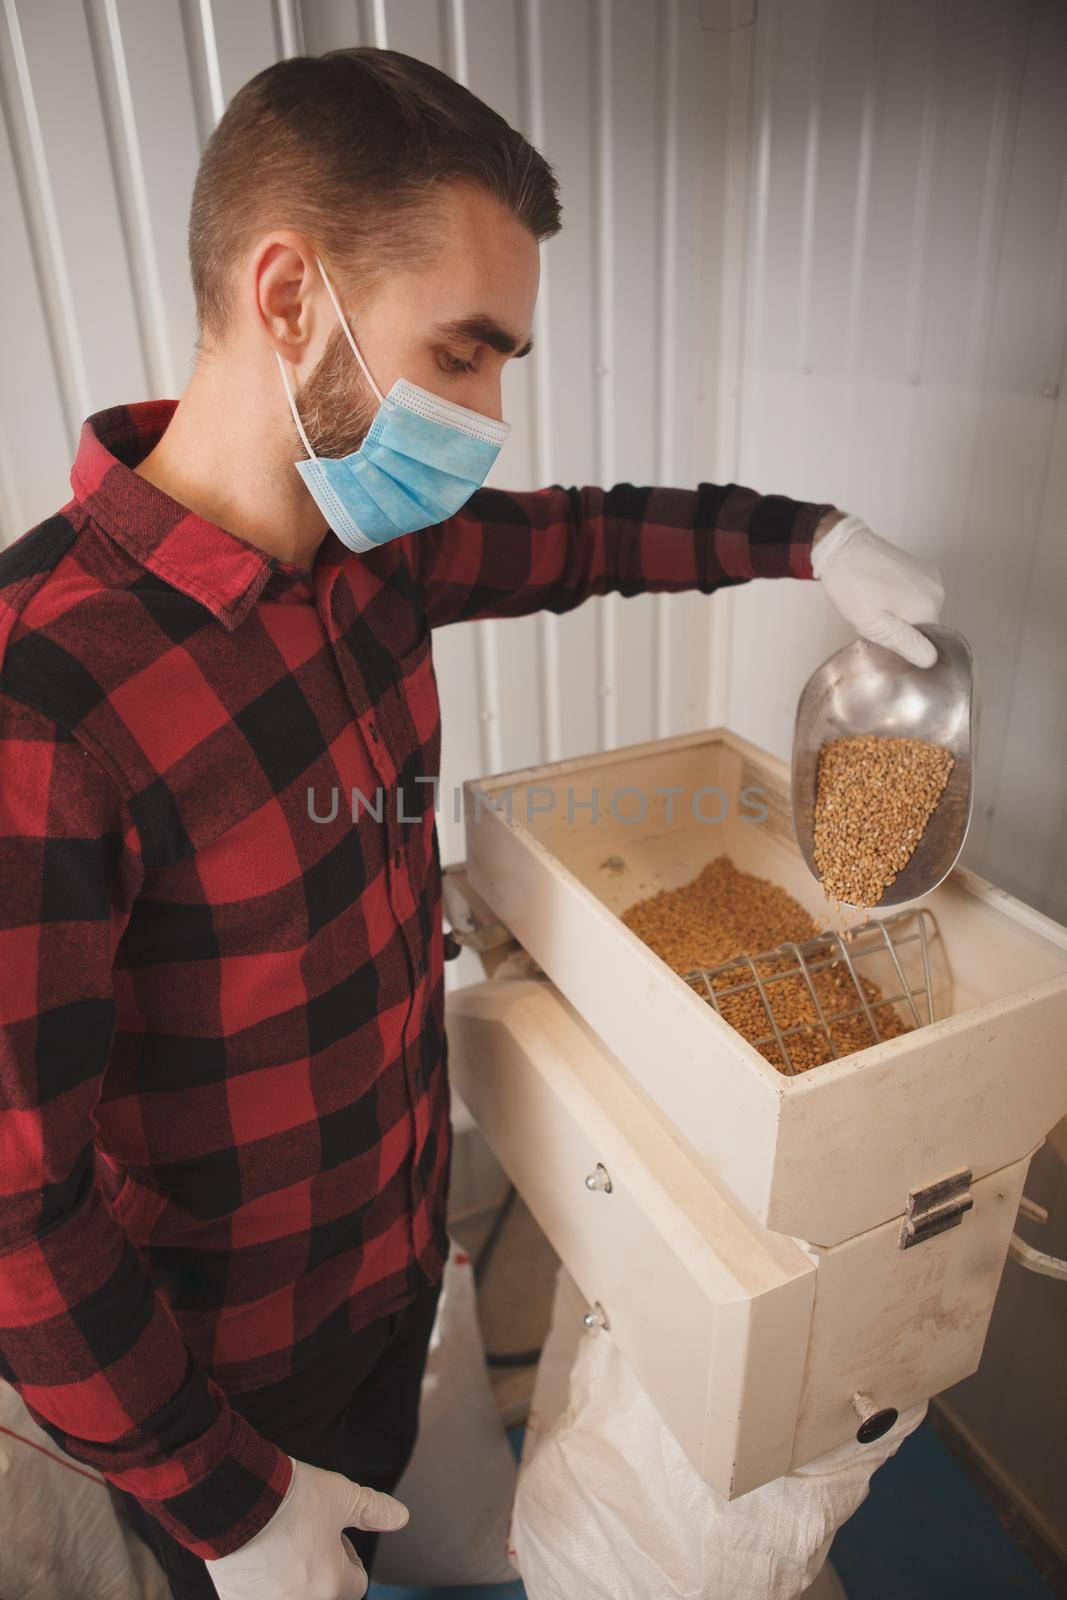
(283, 295)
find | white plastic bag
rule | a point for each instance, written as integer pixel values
(460, 1483)
(609, 1508)
(61, 1532)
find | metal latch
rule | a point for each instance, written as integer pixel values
(938, 1206)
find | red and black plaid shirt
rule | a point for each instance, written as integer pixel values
(224, 1116)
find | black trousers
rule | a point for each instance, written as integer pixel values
(355, 1410)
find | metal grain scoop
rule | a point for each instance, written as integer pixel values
(866, 689)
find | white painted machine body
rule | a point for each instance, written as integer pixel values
(741, 1230)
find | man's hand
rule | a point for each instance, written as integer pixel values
(301, 1553)
(878, 588)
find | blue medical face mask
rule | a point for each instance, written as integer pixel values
(421, 460)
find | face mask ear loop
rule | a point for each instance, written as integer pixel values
(292, 407)
(348, 333)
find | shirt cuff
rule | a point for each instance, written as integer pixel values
(231, 1503)
(805, 529)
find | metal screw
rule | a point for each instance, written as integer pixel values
(597, 1318)
(599, 1179)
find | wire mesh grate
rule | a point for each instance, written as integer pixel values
(790, 962)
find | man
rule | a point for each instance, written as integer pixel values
(223, 1094)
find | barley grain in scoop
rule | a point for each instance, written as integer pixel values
(874, 797)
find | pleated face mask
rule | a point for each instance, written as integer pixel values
(420, 462)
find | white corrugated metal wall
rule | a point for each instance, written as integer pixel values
(904, 305)
(821, 250)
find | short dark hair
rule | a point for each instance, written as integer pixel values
(351, 148)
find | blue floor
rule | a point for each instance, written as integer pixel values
(486, 1591)
(923, 1533)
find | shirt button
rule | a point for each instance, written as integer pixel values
(372, 730)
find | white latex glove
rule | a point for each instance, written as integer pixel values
(301, 1553)
(879, 588)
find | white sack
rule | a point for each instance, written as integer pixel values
(609, 1508)
(460, 1483)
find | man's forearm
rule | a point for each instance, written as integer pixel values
(94, 1352)
(102, 1368)
(509, 554)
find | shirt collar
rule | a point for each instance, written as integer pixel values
(219, 569)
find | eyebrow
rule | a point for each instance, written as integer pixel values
(483, 329)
